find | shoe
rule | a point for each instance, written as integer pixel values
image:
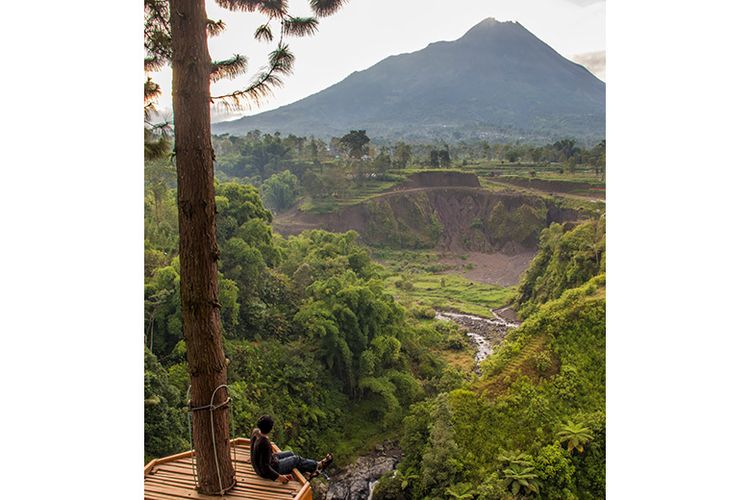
(327, 460)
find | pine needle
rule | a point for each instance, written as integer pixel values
(228, 68)
(300, 26)
(215, 27)
(264, 33)
(281, 62)
(271, 8)
(325, 8)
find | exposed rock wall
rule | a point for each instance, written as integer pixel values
(448, 218)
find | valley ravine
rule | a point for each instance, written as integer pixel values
(484, 333)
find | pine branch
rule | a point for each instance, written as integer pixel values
(299, 26)
(215, 27)
(157, 38)
(325, 8)
(151, 90)
(275, 9)
(282, 59)
(264, 33)
(151, 64)
(281, 62)
(228, 68)
(272, 8)
(156, 139)
(149, 110)
(154, 147)
(240, 5)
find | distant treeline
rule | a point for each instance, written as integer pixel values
(285, 168)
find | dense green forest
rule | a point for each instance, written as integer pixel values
(309, 332)
(315, 337)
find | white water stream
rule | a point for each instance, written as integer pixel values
(371, 485)
(477, 329)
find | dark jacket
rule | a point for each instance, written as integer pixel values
(261, 456)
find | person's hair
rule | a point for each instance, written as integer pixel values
(265, 424)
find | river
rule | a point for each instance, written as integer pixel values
(485, 334)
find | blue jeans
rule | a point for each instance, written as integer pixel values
(287, 461)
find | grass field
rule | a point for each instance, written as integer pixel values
(418, 277)
(355, 193)
(448, 292)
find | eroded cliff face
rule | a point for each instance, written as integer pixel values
(444, 217)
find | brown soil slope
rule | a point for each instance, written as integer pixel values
(443, 210)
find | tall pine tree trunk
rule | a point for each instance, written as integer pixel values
(199, 251)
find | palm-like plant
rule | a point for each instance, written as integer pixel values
(407, 477)
(464, 493)
(520, 479)
(575, 435)
(514, 457)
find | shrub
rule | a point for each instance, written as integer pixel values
(556, 472)
(404, 284)
(423, 312)
(389, 488)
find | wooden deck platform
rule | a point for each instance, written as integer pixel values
(171, 478)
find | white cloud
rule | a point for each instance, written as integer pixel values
(585, 3)
(596, 62)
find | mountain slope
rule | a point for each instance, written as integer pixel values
(497, 81)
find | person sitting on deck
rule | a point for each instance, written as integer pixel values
(278, 466)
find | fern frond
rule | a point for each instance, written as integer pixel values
(299, 26)
(228, 68)
(264, 33)
(325, 8)
(215, 27)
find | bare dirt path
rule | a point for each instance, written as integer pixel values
(594, 197)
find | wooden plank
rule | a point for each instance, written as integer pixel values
(305, 493)
(240, 467)
(149, 466)
(176, 492)
(291, 487)
(163, 494)
(239, 459)
(240, 488)
(237, 442)
(188, 478)
(242, 470)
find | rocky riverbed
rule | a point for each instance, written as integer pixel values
(357, 480)
(484, 333)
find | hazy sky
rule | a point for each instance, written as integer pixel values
(367, 31)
